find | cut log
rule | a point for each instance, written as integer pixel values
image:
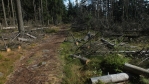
(129, 52)
(13, 27)
(136, 69)
(19, 47)
(84, 59)
(8, 49)
(23, 39)
(108, 44)
(9, 27)
(41, 28)
(110, 78)
(31, 35)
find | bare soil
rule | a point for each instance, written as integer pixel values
(40, 63)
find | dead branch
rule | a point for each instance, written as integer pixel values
(108, 44)
(143, 60)
(15, 37)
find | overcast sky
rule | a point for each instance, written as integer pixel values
(73, 2)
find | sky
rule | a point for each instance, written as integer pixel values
(73, 2)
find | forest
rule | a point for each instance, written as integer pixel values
(74, 42)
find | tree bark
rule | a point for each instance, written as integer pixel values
(31, 35)
(19, 17)
(86, 60)
(41, 13)
(5, 20)
(12, 12)
(136, 69)
(34, 5)
(110, 78)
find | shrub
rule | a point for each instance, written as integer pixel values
(114, 63)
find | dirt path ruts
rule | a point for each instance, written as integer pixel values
(40, 65)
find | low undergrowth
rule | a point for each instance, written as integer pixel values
(6, 64)
(76, 72)
(71, 66)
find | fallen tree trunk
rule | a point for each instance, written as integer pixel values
(110, 78)
(108, 44)
(9, 27)
(74, 39)
(115, 51)
(23, 39)
(129, 52)
(84, 59)
(31, 35)
(136, 69)
(35, 29)
(13, 27)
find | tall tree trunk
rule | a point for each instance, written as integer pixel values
(8, 9)
(108, 11)
(47, 10)
(34, 5)
(40, 12)
(4, 13)
(12, 13)
(19, 17)
(42, 22)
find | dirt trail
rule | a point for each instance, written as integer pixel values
(41, 64)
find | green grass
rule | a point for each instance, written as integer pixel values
(71, 67)
(144, 80)
(100, 64)
(78, 73)
(6, 65)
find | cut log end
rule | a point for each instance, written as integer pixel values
(77, 43)
(8, 49)
(87, 61)
(19, 47)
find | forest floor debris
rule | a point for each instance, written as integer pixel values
(39, 61)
